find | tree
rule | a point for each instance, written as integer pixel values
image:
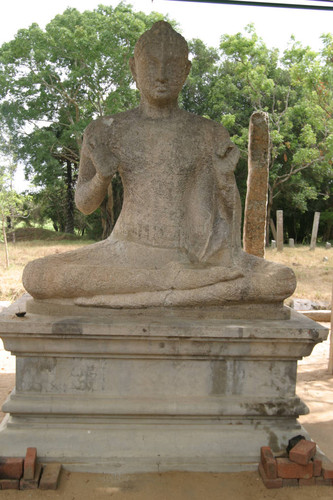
(12, 204)
(54, 82)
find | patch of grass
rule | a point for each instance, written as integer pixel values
(313, 269)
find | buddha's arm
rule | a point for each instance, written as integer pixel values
(226, 154)
(97, 167)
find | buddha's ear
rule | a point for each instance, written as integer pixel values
(132, 67)
(188, 68)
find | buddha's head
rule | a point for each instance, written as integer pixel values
(160, 64)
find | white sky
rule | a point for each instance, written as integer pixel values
(197, 20)
(201, 20)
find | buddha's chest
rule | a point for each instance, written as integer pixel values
(165, 150)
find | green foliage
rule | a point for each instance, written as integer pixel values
(295, 89)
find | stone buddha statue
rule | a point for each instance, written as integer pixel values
(177, 240)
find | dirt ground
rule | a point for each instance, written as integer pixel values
(314, 387)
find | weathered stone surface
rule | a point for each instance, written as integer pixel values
(257, 184)
(319, 315)
(301, 304)
(169, 389)
(177, 240)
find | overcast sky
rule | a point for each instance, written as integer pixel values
(197, 20)
(201, 20)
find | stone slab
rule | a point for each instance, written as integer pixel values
(67, 307)
(320, 315)
(151, 445)
(146, 391)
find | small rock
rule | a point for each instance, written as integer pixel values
(320, 305)
(301, 304)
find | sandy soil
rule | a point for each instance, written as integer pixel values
(314, 387)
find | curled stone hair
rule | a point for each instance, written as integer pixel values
(161, 31)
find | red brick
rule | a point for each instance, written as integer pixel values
(9, 484)
(11, 468)
(290, 470)
(268, 462)
(307, 482)
(320, 481)
(328, 470)
(50, 477)
(32, 484)
(302, 452)
(290, 482)
(317, 465)
(269, 483)
(30, 463)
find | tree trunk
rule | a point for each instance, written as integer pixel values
(5, 242)
(69, 224)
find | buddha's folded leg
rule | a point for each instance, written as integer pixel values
(50, 278)
(268, 287)
(72, 274)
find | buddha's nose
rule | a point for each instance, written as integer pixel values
(162, 75)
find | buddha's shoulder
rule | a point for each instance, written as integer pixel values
(205, 125)
(104, 124)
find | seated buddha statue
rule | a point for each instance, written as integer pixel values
(177, 240)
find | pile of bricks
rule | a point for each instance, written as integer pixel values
(301, 468)
(27, 473)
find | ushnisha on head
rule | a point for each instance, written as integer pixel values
(160, 64)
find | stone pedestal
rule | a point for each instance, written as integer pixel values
(151, 390)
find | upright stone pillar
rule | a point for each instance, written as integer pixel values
(257, 179)
(315, 230)
(273, 229)
(279, 230)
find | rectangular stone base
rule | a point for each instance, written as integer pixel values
(148, 391)
(151, 445)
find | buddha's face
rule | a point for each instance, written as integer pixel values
(160, 72)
